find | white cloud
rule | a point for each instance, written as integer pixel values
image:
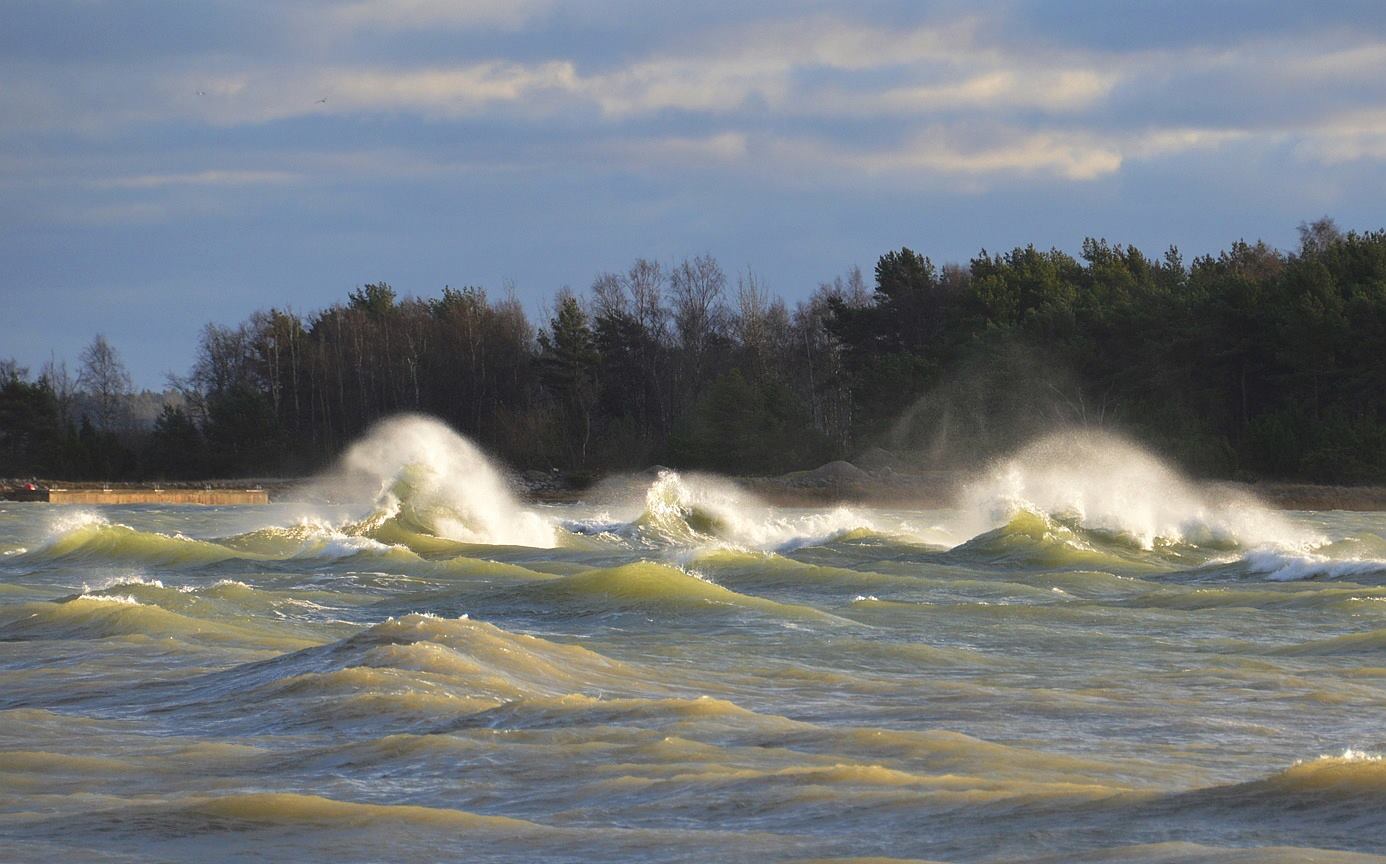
(949, 99)
(1071, 156)
(1155, 143)
(943, 152)
(1349, 137)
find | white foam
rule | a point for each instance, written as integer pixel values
(1109, 484)
(119, 581)
(121, 599)
(74, 520)
(1349, 754)
(704, 510)
(66, 523)
(335, 545)
(1288, 567)
(441, 481)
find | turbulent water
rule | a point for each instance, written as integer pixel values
(1089, 659)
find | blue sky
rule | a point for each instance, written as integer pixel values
(165, 164)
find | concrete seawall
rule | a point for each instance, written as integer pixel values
(148, 496)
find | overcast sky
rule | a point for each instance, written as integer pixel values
(165, 163)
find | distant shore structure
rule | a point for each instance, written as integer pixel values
(136, 495)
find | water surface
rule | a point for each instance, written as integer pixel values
(689, 677)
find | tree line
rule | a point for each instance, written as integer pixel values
(1250, 363)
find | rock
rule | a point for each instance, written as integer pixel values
(836, 473)
(877, 459)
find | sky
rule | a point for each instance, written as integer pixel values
(165, 163)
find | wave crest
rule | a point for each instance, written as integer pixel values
(431, 482)
(700, 510)
(1100, 482)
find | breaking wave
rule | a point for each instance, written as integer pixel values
(429, 481)
(1286, 567)
(1100, 482)
(699, 510)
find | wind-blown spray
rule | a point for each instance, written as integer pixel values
(431, 480)
(1102, 482)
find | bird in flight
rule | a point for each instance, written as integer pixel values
(322, 101)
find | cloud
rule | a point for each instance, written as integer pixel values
(416, 14)
(963, 97)
(1070, 156)
(210, 177)
(446, 91)
(684, 151)
(1350, 137)
(1058, 90)
(941, 151)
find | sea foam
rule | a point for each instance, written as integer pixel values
(1105, 483)
(423, 474)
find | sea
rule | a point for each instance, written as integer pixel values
(1084, 658)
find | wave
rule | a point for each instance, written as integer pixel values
(646, 585)
(1368, 641)
(420, 667)
(1031, 538)
(90, 538)
(87, 536)
(1183, 852)
(285, 808)
(763, 571)
(1088, 499)
(699, 510)
(118, 615)
(1346, 598)
(306, 539)
(419, 674)
(1287, 567)
(430, 482)
(1100, 482)
(1345, 789)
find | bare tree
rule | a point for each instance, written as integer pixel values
(645, 284)
(104, 378)
(62, 385)
(752, 308)
(609, 296)
(696, 287)
(1315, 237)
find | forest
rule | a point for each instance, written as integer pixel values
(1254, 363)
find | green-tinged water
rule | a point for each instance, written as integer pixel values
(688, 678)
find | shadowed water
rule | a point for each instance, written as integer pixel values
(1089, 660)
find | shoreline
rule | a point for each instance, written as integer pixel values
(832, 484)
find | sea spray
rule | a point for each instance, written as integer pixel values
(1101, 482)
(705, 510)
(435, 481)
